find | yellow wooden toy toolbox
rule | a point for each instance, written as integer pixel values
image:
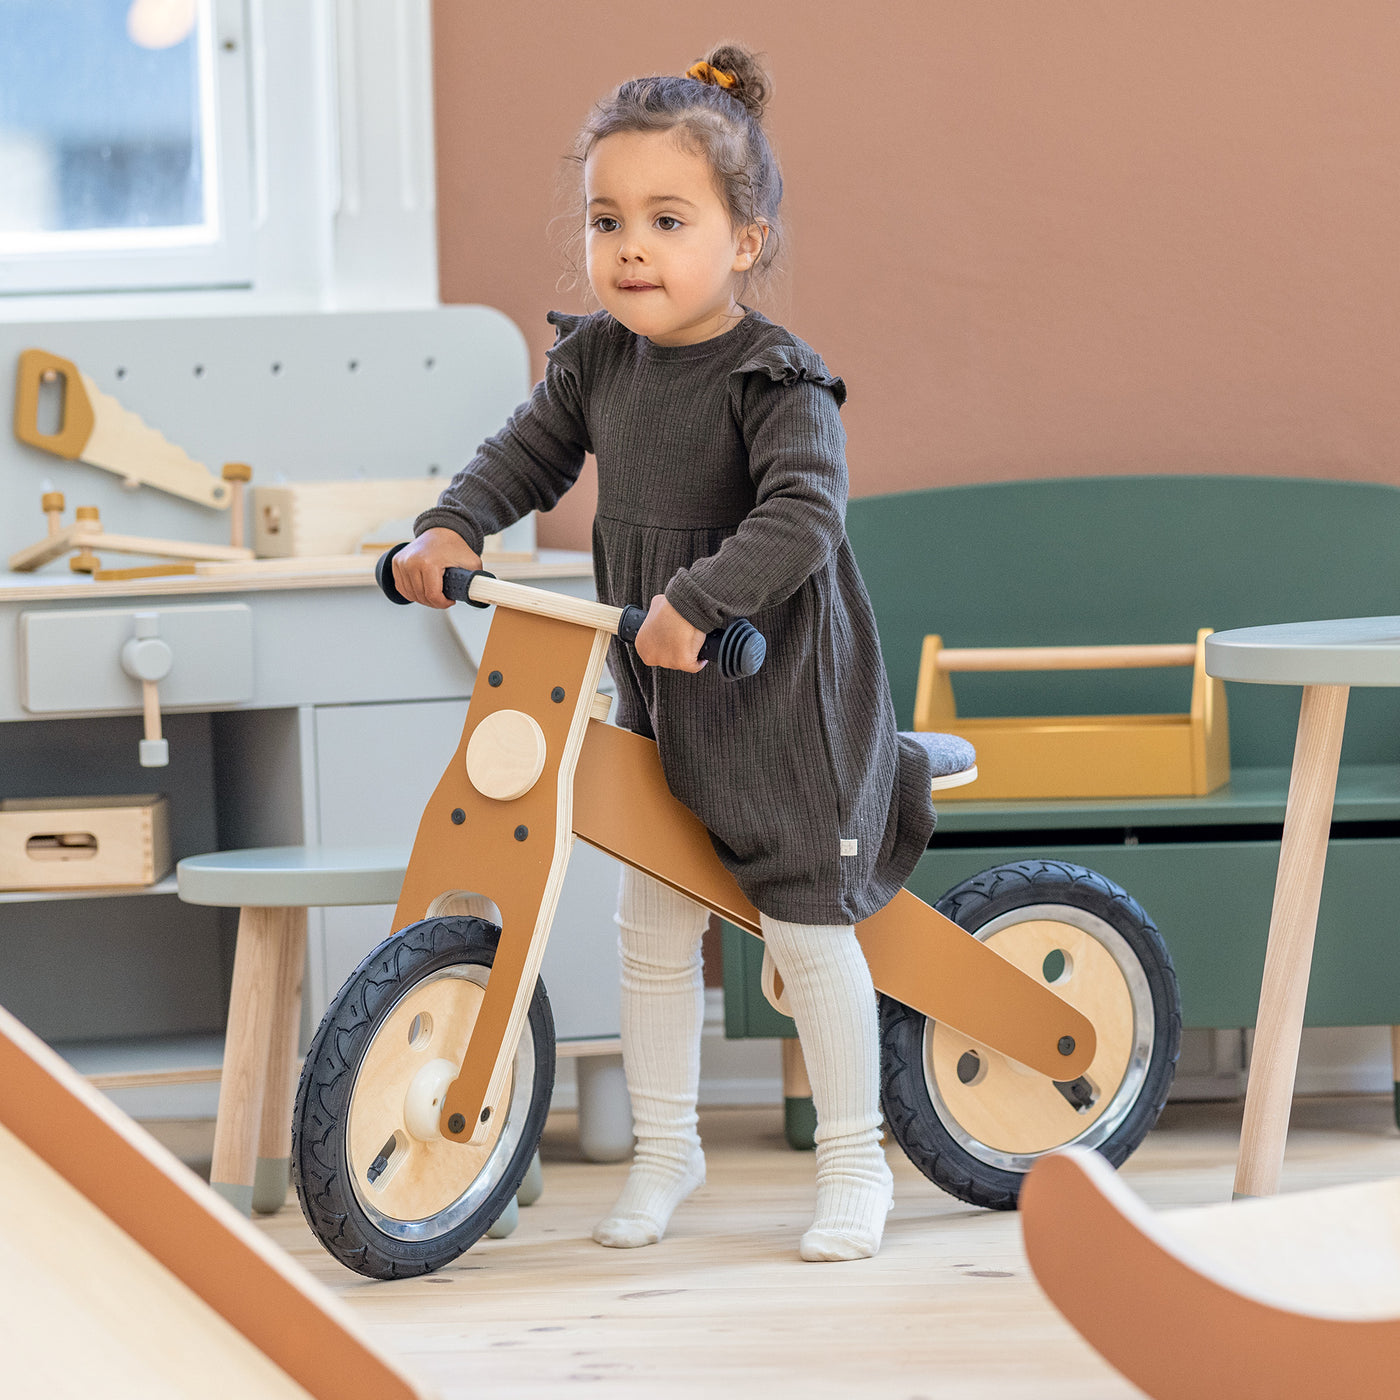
(1081, 756)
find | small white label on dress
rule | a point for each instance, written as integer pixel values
(848, 848)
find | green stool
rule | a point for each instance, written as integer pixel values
(272, 888)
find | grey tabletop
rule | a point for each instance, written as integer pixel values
(1346, 651)
(294, 876)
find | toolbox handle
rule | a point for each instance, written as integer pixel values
(1112, 658)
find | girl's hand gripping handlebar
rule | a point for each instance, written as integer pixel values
(737, 649)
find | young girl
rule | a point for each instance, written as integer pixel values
(721, 494)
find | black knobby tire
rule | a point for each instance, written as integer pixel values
(339, 1206)
(1014, 901)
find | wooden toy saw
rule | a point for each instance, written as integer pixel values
(96, 429)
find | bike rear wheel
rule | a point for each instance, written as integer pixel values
(972, 1120)
(382, 1192)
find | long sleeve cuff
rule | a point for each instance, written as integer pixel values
(442, 517)
(694, 604)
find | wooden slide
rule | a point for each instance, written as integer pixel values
(1267, 1299)
(122, 1275)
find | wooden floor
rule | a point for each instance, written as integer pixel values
(723, 1307)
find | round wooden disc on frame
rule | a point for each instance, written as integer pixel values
(506, 754)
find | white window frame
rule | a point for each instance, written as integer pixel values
(335, 114)
(88, 260)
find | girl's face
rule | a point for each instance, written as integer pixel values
(663, 257)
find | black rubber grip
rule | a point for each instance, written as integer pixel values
(737, 649)
(456, 583)
(384, 575)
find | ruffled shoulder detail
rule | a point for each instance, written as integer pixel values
(567, 349)
(790, 362)
(564, 324)
(572, 336)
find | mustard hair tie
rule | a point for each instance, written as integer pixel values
(705, 73)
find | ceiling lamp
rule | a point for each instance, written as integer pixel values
(160, 24)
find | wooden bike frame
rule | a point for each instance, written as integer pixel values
(534, 737)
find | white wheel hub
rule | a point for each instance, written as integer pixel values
(422, 1105)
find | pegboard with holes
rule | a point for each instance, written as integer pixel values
(315, 396)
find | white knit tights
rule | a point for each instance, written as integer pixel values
(663, 1011)
(827, 987)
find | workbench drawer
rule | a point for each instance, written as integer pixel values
(71, 658)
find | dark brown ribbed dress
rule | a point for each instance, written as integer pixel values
(722, 483)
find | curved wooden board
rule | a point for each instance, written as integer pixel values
(1195, 1311)
(168, 1214)
(86, 1311)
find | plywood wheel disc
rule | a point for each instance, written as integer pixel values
(1007, 1114)
(398, 1177)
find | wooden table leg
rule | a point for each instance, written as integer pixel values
(261, 933)
(1288, 961)
(272, 1175)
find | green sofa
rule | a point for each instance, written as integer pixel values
(1151, 559)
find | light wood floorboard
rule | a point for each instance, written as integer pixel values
(723, 1306)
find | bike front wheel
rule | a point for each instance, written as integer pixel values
(974, 1121)
(382, 1193)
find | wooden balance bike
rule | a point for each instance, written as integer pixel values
(425, 1090)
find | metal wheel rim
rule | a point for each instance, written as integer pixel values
(489, 1176)
(1139, 1061)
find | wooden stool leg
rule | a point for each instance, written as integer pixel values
(1288, 961)
(261, 933)
(273, 1174)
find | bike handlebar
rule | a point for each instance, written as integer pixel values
(738, 649)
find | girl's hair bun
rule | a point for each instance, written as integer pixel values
(750, 83)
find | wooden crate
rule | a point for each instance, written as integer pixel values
(1081, 756)
(83, 842)
(317, 519)
(332, 517)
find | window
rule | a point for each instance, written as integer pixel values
(123, 145)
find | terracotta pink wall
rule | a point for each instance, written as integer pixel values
(1038, 237)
